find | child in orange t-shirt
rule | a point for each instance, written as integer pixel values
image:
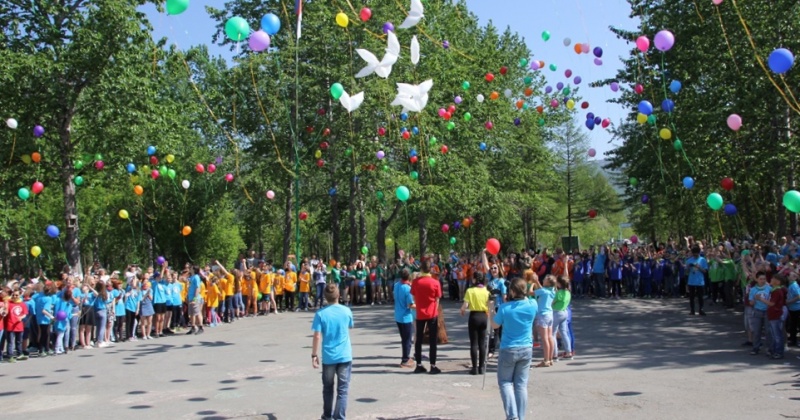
(305, 287)
(212, 293)
(277, 285)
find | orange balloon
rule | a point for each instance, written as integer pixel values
(332, 262)
(466, 222)
(528, 92)
(519, 104)
(494, 95)
(186, 231)
(577, 48)
(36, 157)
(541, 64)
(540, 109)
(138, 190)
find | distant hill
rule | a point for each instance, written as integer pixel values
(614, 177)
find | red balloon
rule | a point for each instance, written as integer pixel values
(321, 111)
(324, 145)
(493, 246)
(489, 125)
(406, 135)
(326, 132)
(638, 89)
(592, 213)
(447, 115)
(365, 14)
(229, 177)
(372, 276)
(303, 215)
(605, 123)
(381, 131)
(444, 149)
(37, 187)
(489, 77)
(413, 159)
(212, 168)
(584, 104)
(451, 109)
(445, 228)
(727, 183)
(153, 160)
(199, 168)
(320, 163)
(503, 70)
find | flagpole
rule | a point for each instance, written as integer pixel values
(299, 10)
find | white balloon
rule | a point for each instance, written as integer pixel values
(185, 184)
(567, 41)
(270, 194)
(508, 93)
(11, 123)
(480, 98)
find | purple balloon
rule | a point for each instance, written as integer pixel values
(457, 100)
(38, 131)
(389, 27)
(597, 120)
(259, 41)
(218, 160)
(598, 52)
(534, 65)
(517, 121)
(456, 225)
(598, 62)
(664, 40)
(380, 154)
(61, 315)
(548, 89)
(614, 86)
(577, 80)
(559, 86)
(645, 199)
(445, 43)
(590, 116)
(568, 73)
(160, 260)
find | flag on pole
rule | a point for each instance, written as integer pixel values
(298, 9)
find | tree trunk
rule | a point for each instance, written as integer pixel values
(352, 216)
(72, 244)
(362, 221)
(335, 228)
(383, 224)
(287, 222)
(423, 233)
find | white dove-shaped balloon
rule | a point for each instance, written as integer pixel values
(382, 68)
(412, 97)
(414, 50)
(351, 103)
(414, 15)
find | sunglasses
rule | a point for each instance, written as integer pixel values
(494, 268)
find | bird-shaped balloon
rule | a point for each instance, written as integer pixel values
(414, 50)
(382, 68)
(414, 15)
(351, 103)
(412, 97)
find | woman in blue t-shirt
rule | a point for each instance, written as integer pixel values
(544, 319)
(101, 303)
(63, 312)
(132, 298)
(146, 310)
(45, 301)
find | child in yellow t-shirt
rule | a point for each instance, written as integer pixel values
(277, 286)
(226, 287)
(250, 292)
(289, 289)
(213, 301)
(305, 288)
(265, 287)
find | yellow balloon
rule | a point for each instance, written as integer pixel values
(665, 133)
(389, 242)
(641, 118)
(170, 158)
(123, 214)
(134, 179)
(318, 154)
(342, 20)
(26, 159)
(145, 169)
(570, 104)
(35, 251)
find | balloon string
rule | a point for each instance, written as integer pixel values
(266, 118)
(794, 107)
(133, 233)
(697, 9)
(727, 42)
(187, 250)
(13, 146)
(720, 224)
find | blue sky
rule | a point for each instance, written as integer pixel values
(583, 21)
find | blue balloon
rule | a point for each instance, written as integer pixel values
(590, 116)
(271, 24)
(361, 284)
(781, 60)
(413, 152)
(668, 105)
(597, 120)
(645, 108)
(688, 182)
(675, 86)
(590, 124)
(414, 130)
(482, 146)
(730, 209)
(559, 86)
(131, 168)
(151, 150)
(404, 116)
(52, 231)
(403, 130)
(332, 192)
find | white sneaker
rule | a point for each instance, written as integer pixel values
(102, 345)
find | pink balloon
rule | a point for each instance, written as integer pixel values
(568, 73)
(634, 239)
(605, 123)
(554, 103)
(154, 174)
(445, 228)
(99, 165)
(258, 41)
(716, 2)
(642, 43)
(442, 111)
(734, 122)
(270, 194)
(229, 177)
(592, 153)
(585, 48)
(37, 187)
(212, 168)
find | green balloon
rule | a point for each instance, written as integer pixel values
(379, 194)
(791, 200)
(98, 157)
(162, 170)
(432, 141)
(566, 91)
(465, 85)
(385, 168)
(540, 122)
(452, 240)
(546, 35)
(348, 151)
(431, 161)
(677, 144)
(171, 174)
(553, 67)
(337, 90)
(633, 181)
(364, 250)
(402, 193)
(715, 201)
(525, 105)
(176, 7)
(467, 116)
(414, 175)
(523, 62)
(528, 80)
(651, 119)
(78, 165)
(451, 126)
(23, 194)
(78, 180)
(237, 29)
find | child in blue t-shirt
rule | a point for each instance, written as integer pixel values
(615, 276)
(658, 277)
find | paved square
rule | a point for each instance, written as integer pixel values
(635, 359)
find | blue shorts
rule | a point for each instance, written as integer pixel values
(544, 320)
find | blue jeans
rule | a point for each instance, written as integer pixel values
(406, 330)
(758, 321)
(100, 320)
(72, 334)
(342, 371)
(560, 325)
(320, 300)
(304, 300)
(238, 302)
(512, 378)
(778, 334)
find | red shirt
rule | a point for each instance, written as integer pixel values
(16, 312)
(426, 290)
(778, 297)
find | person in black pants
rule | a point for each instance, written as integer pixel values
(476, 299)
(697, 267)
(427, 292)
